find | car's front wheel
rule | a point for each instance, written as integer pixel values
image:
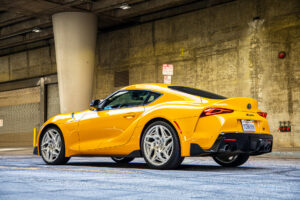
(160, 146)
(226, 160)
(52, 147)
(122, 159)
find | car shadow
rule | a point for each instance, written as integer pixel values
(189, 167)
(183, 167)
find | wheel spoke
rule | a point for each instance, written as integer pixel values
(52, 134)
(160, 158)
(48, 154)
(45, 139)
(162, 131)
(150, 144)
(44, 150)
(150, 149)
(56, 137)
(165, 154)
(55, 153)
(149, 137)
(157, 131)
(168, 147)
(154, 157)
(168, 137)
(58, 142)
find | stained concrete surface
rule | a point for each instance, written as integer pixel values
(27, 177)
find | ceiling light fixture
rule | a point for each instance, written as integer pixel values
(36, 30)
(125, 6)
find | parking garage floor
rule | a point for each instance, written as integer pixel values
(27, 177)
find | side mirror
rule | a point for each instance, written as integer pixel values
(95, 103)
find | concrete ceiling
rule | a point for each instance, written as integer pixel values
(19, 18)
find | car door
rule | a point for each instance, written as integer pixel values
(114, 122)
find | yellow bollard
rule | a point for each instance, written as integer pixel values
(34, 137)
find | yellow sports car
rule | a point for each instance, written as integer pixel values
(162, 123)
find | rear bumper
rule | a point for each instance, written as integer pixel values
(233, 143)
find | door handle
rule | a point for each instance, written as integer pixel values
(129, 115)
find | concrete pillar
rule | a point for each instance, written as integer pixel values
(75, 42)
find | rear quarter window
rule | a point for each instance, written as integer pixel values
(152, 97)
(197, 92)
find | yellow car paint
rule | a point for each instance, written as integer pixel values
(118, 131)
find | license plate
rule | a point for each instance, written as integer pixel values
(248, 125)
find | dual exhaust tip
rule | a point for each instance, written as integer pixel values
(267, 148)
(262, 146)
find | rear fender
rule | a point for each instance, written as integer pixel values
(182, 117)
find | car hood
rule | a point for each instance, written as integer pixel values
(66, 117)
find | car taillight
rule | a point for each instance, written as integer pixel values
(215, 111)
(231, 140)
(263, 114)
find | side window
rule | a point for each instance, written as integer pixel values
(124, 99)
(152, 97)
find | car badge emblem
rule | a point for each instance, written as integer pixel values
(249, 106)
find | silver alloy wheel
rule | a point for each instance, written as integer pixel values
(227, 159)
(51, 145)
(158, 145)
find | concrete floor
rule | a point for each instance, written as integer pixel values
(27, 177)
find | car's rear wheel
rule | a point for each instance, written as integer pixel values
(52, 147)
(121, 159)
(160, 146)
(226, 160)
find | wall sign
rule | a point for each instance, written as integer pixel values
(167, 70)
(167, 79)
(1, 122)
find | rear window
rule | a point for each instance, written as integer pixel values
(197, 92)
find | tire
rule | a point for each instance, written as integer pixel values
(122, 159)
(231, 160)
(52, 147)
(160, 146)
(181, 160)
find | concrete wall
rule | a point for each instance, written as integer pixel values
(220, 49)
(27, 64)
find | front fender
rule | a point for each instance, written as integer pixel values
(68, 128)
